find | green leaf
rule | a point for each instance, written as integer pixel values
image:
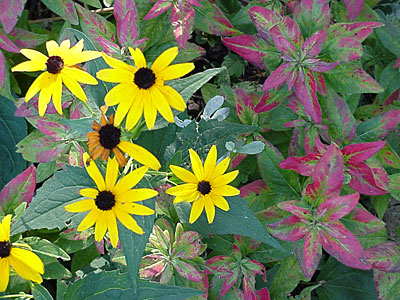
(380, 203)
(39, 292)
(134, 244)
(279, 180)
(378, 127)
(394, 186)
(94, 3)
(389, 35)
(84, 257)
(189, 85)
(234, 64)
(239, 219)
(390, 81)
(63, 8)
(341, 282)
(12, 130)
(387, 284)
(47, 208)
(45, 247)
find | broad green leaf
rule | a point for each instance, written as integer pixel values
(39, 292)
(338, 282)
(389, 79)
(45, 247)
(12, 130)
(389, 35)
(279, 180)
(47, 207)
(313, 15)
(63, 8)
(379, 127)
(387, 285)
(189, 85)
(94, 3)
(239, 219)
(394, 186)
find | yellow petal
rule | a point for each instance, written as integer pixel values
(161, 104)
(138, 57)
(94, 172)
(46, 92)
(173, 98)
(210, 163)
(115, 75)
(65, 44)
(73, 85)
(5, 229)
(118, 94)
(125, 105)
(112, 227)
(137, 209)
(224, 179)
(210, 209)
(57, 94)
(128, 221)
(135, 113)
(52, 48)
(197, 166)
(81, 57)
(29, 258)
(182, 189)
(183, 174)
(136, 195)
(23, 269)
(111, 173)
(140, 154)
(4, 274)
(225, 190)
(117, 64)
(35, 86)
(150, 111)
(89, 220)
(129, 181)
(89, 192)
(164, 59)
(221, 167)
(79, 75)
(78, 47)
(176, 71)
(219, 201)
(29, 66)
(197, 209)
(35, 55)
(101, 226)
(80, 206)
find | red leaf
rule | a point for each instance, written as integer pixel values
(27, 39)
(335, 208)
(122, 8)
(343, 245)
(363, 180)
(284, 45)
(328, 175)
(19, 189)
(385, 257)
(303, 165)
(356, 153)
(278, 77)
(289, 229)
(312, 250)
(397, 63)
(322, 66)
(158, 8)
(10, 11)
(298, 211)
(7, 44)
(186, 270)
(267, 103)
(361, 222)
(254, 187)
(264, 19)
(126, 16)
(353, 7)
(313, 45)
(3, 72)
(182, 22)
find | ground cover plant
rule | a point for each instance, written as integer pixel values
(199, 149)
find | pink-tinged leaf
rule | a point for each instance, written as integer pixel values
(151, 270)
(295, 145)
(295, 105)
(387, 285)
(182, 23)
(343, 245)
(27, 39)
(384, 257)
(186, 270)
(263, 294)
(354, 8)
(289, 229)
(264, 19)
(255, 187)
(237, 160)
(245, 106)
(278, 77)
(321, 85)
(322, 66)
(313, 45)
(111, 48)
(194, 2)
(50, 128)
(328, 175)
(305, 89)
(311, 136)
(313, 15)
(7, 44)
(267, 103)
(361, 222)
(236, 253)
(388, 157)
(335, 208)
(378, 127)
(392, 98)
(19, 189)
(310, 251)
(188, 245)
(63, 8)
(397, 63)
(100, 246)
(295, 123)
(160, 7)
(303, 165)
(75, 155)
(10, 11)
(3, 73)
(359, 31)
(298, 211)
(122, 8)
(363, 180)
(284, 45)
(126, 30)
(248, 47)
(356, 153)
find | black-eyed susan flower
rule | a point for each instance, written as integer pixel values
(206, 186)
(26, 263)
(106, 138)
(112, 200)
(141, 89)
(61, 67)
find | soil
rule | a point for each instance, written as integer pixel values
(392, 220)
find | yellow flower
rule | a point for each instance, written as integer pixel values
(112, 200)
(26, 263)
(61, 67)
(141, 90)
(206, 187)
(106, 138)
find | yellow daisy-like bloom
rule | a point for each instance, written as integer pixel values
(112, 200)
(206, 186)
(26, 263)
(61, 67)
(106, 138)
(141, 90)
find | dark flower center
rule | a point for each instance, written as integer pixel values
(144, 78)
(54, 64)
(109, 136)
(5, 249)
(105, 200)
(204, 187)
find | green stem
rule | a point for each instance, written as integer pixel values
(88, 108)
(152, 172)
(16, 296)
